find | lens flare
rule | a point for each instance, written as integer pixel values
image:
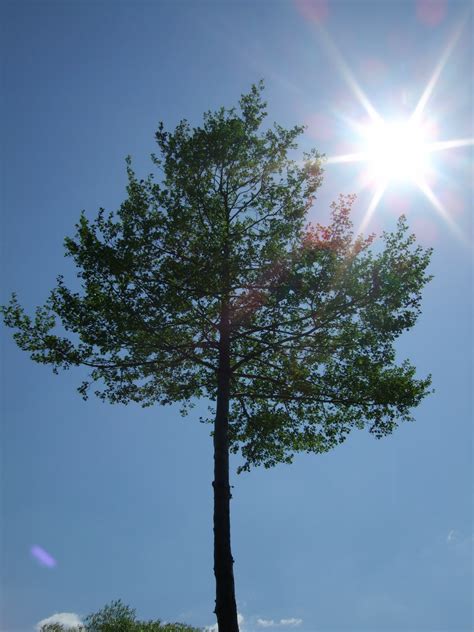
(42, 556)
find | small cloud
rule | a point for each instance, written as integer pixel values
(452, 535)
(282, 623)
(68, 620)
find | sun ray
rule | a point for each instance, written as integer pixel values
(449, 144)
(357, 157)
(347, 74)
(430, 86)
(377, 196)
(439, 208)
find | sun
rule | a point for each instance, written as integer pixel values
(396, 151)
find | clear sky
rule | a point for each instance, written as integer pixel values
(376, 535)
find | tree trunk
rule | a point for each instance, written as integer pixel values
(226, 608)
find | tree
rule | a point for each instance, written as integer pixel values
(118, 617)
(208, 283)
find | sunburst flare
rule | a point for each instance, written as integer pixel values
(397, 150)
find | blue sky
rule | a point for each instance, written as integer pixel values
(376, 535)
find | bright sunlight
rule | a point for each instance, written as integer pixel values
(396, 151)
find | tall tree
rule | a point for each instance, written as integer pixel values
(207, 282)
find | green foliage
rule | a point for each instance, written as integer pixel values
(118, 617)
(314, 311)
(114, 617)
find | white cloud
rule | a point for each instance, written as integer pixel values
(245, 625)
(283, 623)
(452, 535)
(67, 619)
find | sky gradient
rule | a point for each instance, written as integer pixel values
(374, 536)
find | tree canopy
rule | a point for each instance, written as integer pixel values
(313, 311)
(118, 617)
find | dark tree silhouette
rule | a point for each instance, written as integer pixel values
(207, 282)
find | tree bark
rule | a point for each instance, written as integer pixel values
(226, 608)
